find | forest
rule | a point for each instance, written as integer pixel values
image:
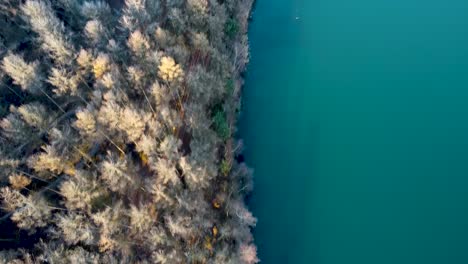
(117, 125)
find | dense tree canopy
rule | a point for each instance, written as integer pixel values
(117, 126)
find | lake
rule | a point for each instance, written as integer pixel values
(355, 121)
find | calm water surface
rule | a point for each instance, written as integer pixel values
(356, 123)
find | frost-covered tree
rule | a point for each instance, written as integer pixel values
(24, 74)
(76, 228)
(51, 30)
(34, 214)
(80, 191)
(115, 173)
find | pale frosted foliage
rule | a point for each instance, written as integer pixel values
(116, 95)
(86, 122)
(24, 74)
(135, 14)
(79, 255)
(136, 75)
(35, 115)
(140, 219)
(96, 98)
(241, 54)
(7, 166)
(116, 48)
(200, 6)
(85, 59)
(167, 172)
(202, 219)
(160, 93)
(200, 41)
(179, 54)
(160, 194)
(56, 253)
(154, 56)
(138, 43)
(147, 145)
(135, 5)
(170, 117)
(113, 172)
(109, 114)
(248, 254)
(199, 168)
(154, 8)
(109, 80)
(217, 22)
(169, 71)
(177, 20)
(132, 122)
(110, 221)
(163, 257)
(53, 253)
(110, 218)
(46, 161)
(75, 228)
(34, 214)
(154, 128)
(198, 12)
(244, 215)
(196, 117)
(163, 37)
(63, 139)
(24, 121)
(195, 176)
(95, 31)
(204, 86)
(19, 181)
(194, 201)
(169, 147)
(243, 13)
(11, 199)
(50, 30)
(14, 128)
(243, 174)
(79, 191)
(95, 9)
(224, 256)
(63, 81)
(101, 65)
(179, 226)
(71, 6)
(157, 237)
(106, 243)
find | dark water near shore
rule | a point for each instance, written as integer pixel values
(356, 123)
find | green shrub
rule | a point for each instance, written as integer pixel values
(221, 125)
(225, 167)
(231, 28)
(230, 86)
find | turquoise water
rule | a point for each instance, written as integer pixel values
(355, 121)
